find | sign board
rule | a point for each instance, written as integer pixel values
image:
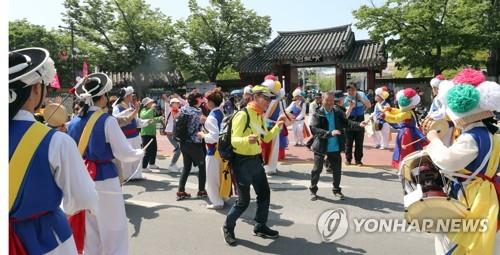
(202, 87)
(308, 59)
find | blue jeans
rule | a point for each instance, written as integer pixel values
(249, 171)
(177, 150)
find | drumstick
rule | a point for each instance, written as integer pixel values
(146, 146)
(404, 146)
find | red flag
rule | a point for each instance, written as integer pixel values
(85, 70)
(55, 82)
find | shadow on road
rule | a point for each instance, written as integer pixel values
(248, 216)
(137, 213)
(369, 204)
(151, 185)
(381, 175)
(292, 246)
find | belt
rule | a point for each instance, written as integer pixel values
(31, 217)
(259, 156)
(92, 166)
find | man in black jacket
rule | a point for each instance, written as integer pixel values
(327, 127)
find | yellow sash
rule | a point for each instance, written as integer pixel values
(482, 198)
(87, 130)
(25, 150)
(225, 177)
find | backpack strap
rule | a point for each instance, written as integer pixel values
(21, 159)
(247, 125)
(87, 130)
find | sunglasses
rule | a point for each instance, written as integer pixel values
(268, 98)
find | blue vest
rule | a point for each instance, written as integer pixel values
(98, 150)
(482, 137)
(38, 195)
(129, 130)
(296, 110)
(218, 115)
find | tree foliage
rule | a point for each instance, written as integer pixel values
(23, 34)
(432, 34)
(136, 37)
(218, 36)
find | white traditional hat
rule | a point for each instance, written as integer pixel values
(469, 97)
(94, 85)
(28, 67)
(407, 99)
(382, 92)
(436, 81)
(272, 83)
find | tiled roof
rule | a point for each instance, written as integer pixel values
(365, 54)
(326, 42)
(256, 62)
(336, 42)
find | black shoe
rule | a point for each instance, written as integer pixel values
(359, 163)
(229, 237)
(339, 195)
(329, 170)
(265, 231)
(314, 197)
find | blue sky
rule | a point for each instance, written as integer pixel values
(286, 15)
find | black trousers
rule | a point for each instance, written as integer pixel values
(249, 171)
(193, 154)
(151, 150)
(335, 163)
(357, 137)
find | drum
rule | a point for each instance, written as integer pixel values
(441, 126)
(427, 192)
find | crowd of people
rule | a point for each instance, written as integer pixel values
(112, 140)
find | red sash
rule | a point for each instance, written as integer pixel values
(16, 247)
(77, 221)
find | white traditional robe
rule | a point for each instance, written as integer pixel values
(213, 163)
(298, 123)
(272, 162)
(71, 176)
(106, 232)
(128, 168)
(452, 159)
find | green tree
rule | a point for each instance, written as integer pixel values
(23, 34)
(218, 36)
(136, 37)
(428, 34)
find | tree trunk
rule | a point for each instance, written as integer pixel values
(493, 64)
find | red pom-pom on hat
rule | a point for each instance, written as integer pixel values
(440, 77)
(469, 76)
(409, 92)
(270, 77)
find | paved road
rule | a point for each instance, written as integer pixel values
(160, 225)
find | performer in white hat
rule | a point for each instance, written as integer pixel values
(409, 138)
(270, 150)
(472, 159)
(125, 106)
(44, 165)
(298, 110)
(100, 141)
(382, 128)
(438, 110)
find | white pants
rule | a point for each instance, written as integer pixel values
(106, 232)
(298, 131)
(129, 168)
(272, 162)
(67, 247)
(381, 136)
(213, 165)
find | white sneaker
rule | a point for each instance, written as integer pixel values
(153, 166)
(146, 170)
(215, 207)
(173, 168)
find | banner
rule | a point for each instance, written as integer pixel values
(55, 82)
